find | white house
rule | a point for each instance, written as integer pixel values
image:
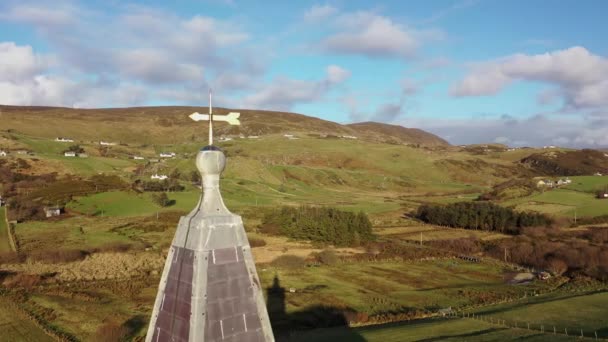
(52, 211)
(349, 137)
(83, 155)
(138, 157)
(288, 135)
(159, 177)
(598, 174)
(69, 154)
(222, 138)
(1, 201)
(167, 154)
(60, 139)
(105, 143)
(3, 154)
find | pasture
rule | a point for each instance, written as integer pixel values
(588, 183)
(5, 245)
(563, 202)
(14, 326)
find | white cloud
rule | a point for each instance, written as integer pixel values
(373, 35)
(336, 74)
(581, 77)
(319, 12)
(19, 62)
(539, 130)
(283, 93)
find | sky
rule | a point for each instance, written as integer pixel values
(522, 73)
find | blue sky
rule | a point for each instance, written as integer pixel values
(515, 72)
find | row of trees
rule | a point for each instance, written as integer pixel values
(482, 216)
(319, 224)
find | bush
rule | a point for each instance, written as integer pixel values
(26, 281)
(289, 261)
(11, 258)
(161, 199)
(328, 257)
(257, 242)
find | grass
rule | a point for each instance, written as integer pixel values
(457, 329)
(563, 202)
(587, 183)
(15, 327)
(571, 311)
(5, 245)
(391, 286)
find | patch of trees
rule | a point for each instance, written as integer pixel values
(572, 257)
(162, 199)
(481, 216)
(170, 184)
(75, 148)
(319, 224)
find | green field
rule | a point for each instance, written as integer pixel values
(563, 202)
(5, 245)
(588, 183)
(375, 287)
(456, 329)
(564, 311)
(15, 327)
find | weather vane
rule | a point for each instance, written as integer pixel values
(231, 118)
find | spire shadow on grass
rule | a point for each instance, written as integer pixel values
(287, 326)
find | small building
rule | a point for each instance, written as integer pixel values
(22, 152)
(167, 154)
(61, 139)
(138, 157)
(53, 211)
(83, 155)
(2, 201)
(158, 177)
(349, 137)
(598, 174)
(153, 160)
(545, 183)
(3, 154)
(69, 154)
(105, 143)
(223, 138)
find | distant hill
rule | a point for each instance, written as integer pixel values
(172, 125)
(568, 163)
(399, 134)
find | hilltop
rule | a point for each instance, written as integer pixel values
(161, 125)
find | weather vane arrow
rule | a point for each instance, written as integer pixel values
(231, 118)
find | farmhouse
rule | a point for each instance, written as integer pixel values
(52, 211)
(167, 154)
(83, 155)
(563, 181)
(105, 143)
(349, 137)
(2, 202)
(3, 154)
(69, 154)
(159, 177)
(61, 139)
(138, 157)
(545, 183)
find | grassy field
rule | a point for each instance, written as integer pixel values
(563, 202)
(588, 183)
(374, 287)
(5, 245)
(457, 329)
(15, 327)
(564, 311)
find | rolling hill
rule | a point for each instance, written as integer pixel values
(162, 125)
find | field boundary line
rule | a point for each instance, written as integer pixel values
(9, 231)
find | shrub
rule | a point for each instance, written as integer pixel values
(257, 242)
(26, 281)
(11, 258)
(289, 261)
(328, 257)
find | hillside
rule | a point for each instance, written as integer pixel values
(162, 125)
(568, 163)
(383, 132)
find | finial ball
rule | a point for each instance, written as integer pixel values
(210, 161)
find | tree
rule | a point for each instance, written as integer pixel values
(195, 177)
(161, 199)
